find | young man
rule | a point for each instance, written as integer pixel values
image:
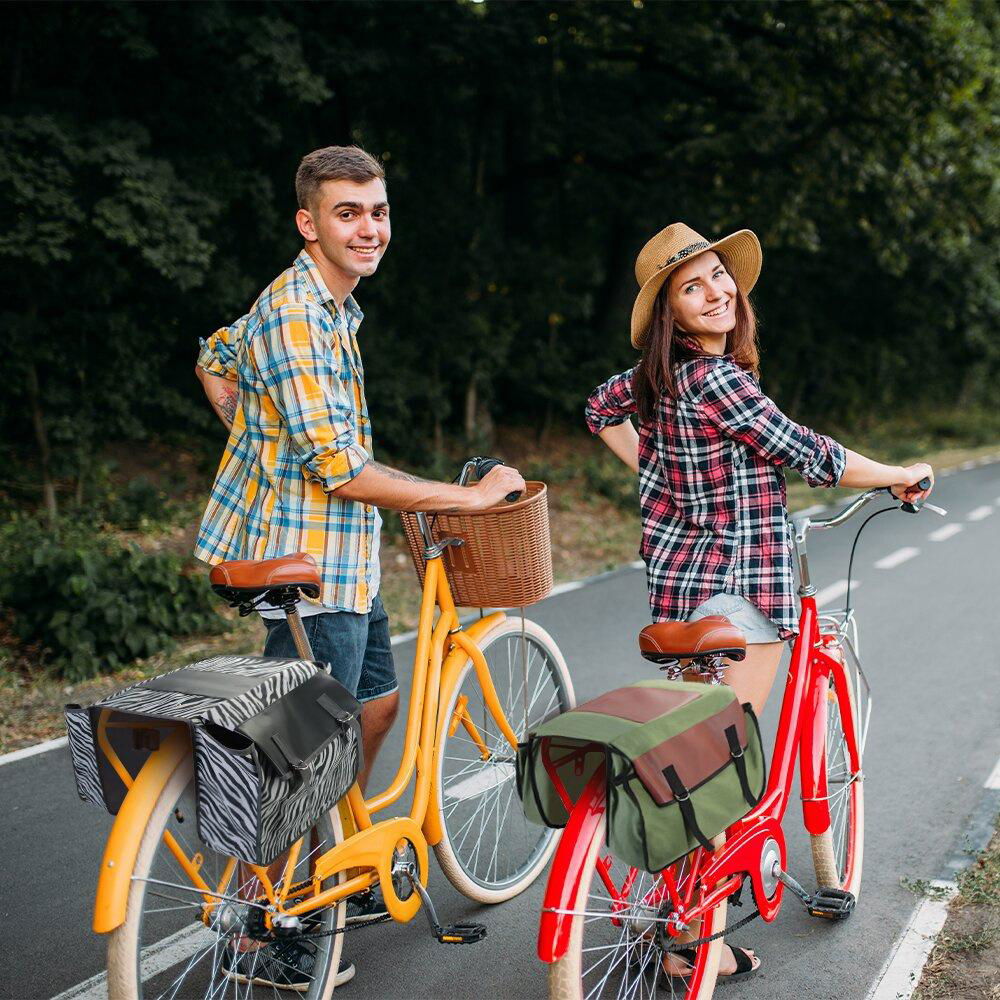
(298, 473)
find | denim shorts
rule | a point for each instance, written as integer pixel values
(747, 617)
(356, 646)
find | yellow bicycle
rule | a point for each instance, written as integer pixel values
(174, 909)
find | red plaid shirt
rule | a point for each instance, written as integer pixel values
(711, 491)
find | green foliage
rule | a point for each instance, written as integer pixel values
(605, 476)
(89, 604)
(148, 154)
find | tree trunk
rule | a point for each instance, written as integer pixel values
(42, 440)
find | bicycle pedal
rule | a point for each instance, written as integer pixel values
(461, 933)
(831, 904)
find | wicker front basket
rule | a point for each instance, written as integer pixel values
(505, 560)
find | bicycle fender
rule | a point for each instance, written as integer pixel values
(453, 664)
(812, 761)
(122, 847)
(563, 886)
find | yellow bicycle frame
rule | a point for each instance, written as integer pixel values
(443, 649)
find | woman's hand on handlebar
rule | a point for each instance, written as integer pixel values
(494, 487)
(911, 489)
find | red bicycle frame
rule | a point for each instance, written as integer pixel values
(801, 729)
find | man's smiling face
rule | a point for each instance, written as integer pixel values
(350, 224)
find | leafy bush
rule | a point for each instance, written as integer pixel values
(92, 604)
(136, 504)
(607, 477)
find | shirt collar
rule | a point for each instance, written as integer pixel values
(307, 268)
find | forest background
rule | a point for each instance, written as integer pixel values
(146, 196)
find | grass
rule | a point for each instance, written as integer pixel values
(594, 526)
(965, 962)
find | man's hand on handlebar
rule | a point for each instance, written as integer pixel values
(912, 489)
(495, 486)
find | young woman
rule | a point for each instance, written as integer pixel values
(709, 453)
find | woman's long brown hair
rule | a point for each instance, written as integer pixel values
(667, 346)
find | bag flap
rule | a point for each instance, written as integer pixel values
(292, 730)
(696, 753)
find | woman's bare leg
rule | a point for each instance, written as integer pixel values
(752, 679)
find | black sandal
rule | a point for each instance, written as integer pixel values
(745, 969)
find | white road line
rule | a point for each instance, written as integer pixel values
(993, 781)
(156, 958)
(563, 588)
(9, 758)
(899, 976)
(944, 533)
(965, 466)
(835, 590)
(897, 558)
(979, 513)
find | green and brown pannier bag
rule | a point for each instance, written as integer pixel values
(683, 761)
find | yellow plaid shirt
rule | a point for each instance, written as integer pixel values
(301, 430)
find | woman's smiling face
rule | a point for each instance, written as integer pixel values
(703, 296)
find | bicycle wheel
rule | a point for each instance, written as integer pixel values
(838, 853)
(619, 920)
(489, 851)
(165, 950)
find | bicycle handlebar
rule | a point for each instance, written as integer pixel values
(483, 465)
(863, 500)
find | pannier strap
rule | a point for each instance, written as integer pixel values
(683, 799)
(739, 759)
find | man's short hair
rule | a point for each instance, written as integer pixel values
(334, 163)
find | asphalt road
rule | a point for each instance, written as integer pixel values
(928, 647)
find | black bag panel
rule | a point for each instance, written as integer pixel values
(293, 730)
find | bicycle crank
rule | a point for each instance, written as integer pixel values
(825, 902)
(453, 934)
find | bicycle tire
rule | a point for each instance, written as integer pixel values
(135, 966)
(838, 853)
(469, 786)
(632, 949)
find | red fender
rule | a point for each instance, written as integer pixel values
(567, 868)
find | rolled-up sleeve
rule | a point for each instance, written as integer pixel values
(611, 403)
(217, 354)
(733, 402)
(301, 364)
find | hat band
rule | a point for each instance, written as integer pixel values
(686, 252)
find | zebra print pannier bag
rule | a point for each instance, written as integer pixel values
(276, 744)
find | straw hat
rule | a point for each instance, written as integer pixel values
(669, 248)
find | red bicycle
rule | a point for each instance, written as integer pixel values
(606, 927)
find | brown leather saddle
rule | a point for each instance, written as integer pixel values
(714, 635)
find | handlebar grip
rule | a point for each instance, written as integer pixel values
(925, 483)
(483, 465)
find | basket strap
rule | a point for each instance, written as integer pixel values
(683, 799)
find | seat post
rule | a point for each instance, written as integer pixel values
(299, 637)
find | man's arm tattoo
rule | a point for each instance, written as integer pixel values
(227, 403)
(392, 473)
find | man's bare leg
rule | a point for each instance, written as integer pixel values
(377, 717)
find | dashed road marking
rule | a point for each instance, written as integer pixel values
(835, 590)
(979, 513)
(945, 532)
(897, 558)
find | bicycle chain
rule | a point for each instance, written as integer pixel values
(380, 919)
(697, 942)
